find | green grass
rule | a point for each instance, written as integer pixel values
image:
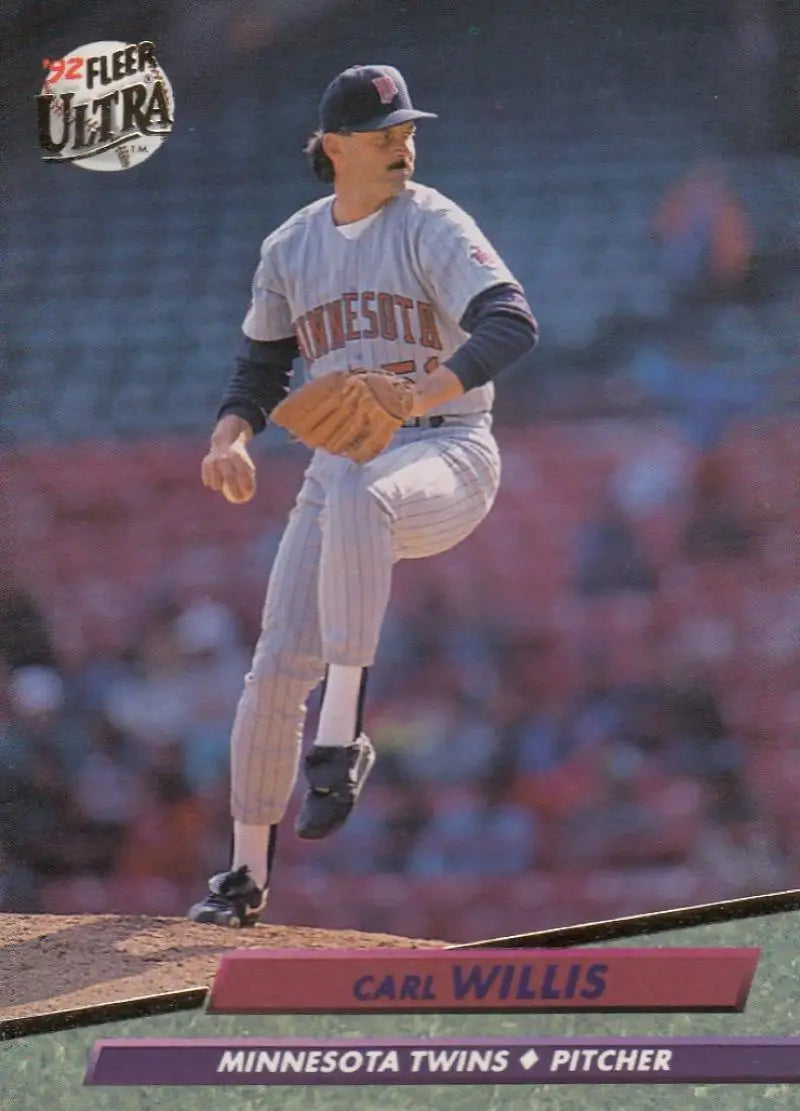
(45, 1072)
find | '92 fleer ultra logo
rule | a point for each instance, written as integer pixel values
(105, 106)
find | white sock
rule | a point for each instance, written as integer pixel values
(250, 847)
(339, 713)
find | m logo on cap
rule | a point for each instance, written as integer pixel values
(387, 90)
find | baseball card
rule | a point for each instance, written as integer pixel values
(398, 609)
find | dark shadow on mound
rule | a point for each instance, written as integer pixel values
(78, 957)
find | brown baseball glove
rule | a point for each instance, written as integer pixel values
(352, 413)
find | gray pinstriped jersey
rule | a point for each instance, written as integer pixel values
(391, 298)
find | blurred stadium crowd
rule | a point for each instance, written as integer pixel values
(589, 708)
(604, 679)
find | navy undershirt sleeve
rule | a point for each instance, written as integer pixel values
(502, 328)
(260, 379)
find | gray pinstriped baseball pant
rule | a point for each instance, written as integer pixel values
(330, 584)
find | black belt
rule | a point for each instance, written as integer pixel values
(424, 422)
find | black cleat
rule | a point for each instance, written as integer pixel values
(233, 900)
(335, 775)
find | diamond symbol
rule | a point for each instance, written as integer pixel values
(529, 1059)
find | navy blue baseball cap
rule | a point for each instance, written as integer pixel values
(367, 98)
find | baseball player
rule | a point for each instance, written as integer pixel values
(403, 314)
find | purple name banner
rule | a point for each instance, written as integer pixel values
(385, 1061)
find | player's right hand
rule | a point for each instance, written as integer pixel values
(228, 468)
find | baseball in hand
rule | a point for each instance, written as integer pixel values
(240, 448)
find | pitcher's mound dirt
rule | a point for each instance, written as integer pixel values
(52, 962)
